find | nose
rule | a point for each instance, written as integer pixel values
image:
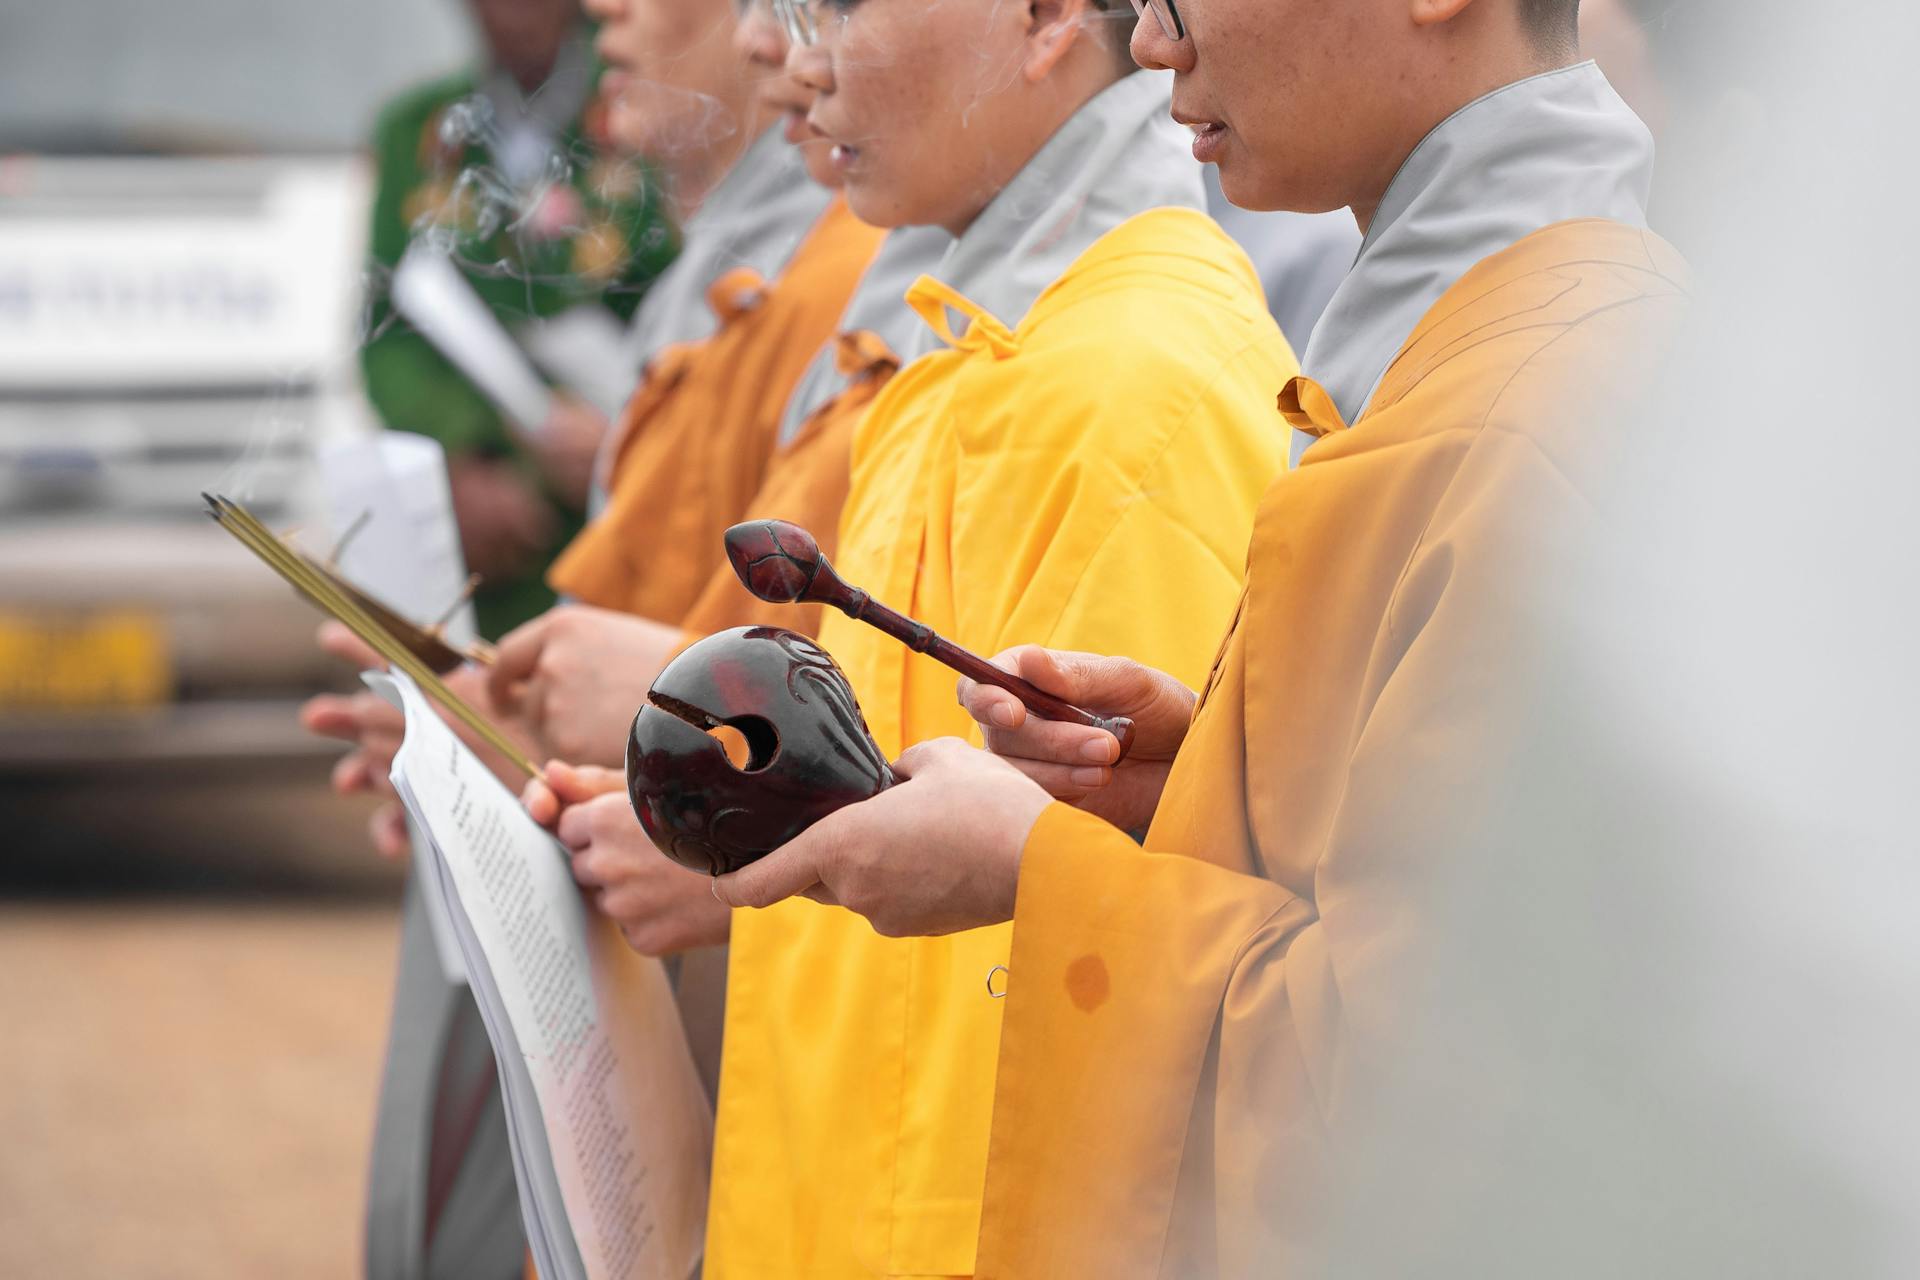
(811, 66)
(759, 38)
(1153, 50)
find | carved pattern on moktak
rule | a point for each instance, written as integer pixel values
(810, 751)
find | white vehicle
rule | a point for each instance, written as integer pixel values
(183, 205)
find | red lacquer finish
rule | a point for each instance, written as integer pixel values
(810, 751)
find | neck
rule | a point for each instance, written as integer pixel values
(1077, 87)
(1465, 81)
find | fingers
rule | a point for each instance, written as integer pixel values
(355, 718)
(793, 868)
(540, 802)
(351, 775)
(388, 829)
(579, 783)
(331, 715)
(1055, 742)
(992, 707)
(336, 639)
(515, 660)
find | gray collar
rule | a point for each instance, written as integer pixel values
(754, 217)
(1543, 150)
(1119, 155)
(877, 307)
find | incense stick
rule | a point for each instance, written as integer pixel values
(329, 599)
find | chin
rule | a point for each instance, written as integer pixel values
(1247, 188)
(873, 205)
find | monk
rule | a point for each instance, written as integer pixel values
(688, 84)
(1183, 1020)
(689, 87)
(1031, 460)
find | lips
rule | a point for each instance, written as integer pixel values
(844, 157)
(1208, 137)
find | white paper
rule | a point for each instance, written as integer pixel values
(616, 1119)
(406, 554)
(437, 300)
(584, 349)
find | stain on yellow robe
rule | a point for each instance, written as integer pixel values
(1024, 484)
(1180, 1023)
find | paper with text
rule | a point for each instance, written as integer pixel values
(626, 1123)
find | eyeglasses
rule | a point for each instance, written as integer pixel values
(797, 16)
(1163, 12)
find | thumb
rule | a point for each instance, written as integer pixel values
(792, 868)
(514, 660)
(578, 783)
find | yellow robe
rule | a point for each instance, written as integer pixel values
(699, 434)
(1024, 484)
(1183, 1023)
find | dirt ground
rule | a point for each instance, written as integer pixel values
(187, 1086)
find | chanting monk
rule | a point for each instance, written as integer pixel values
(687, 88)
(1184, 1020)
(1031, 460)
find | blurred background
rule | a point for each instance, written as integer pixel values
(196, 944)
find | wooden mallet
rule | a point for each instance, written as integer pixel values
(781, 563)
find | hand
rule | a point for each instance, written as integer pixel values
(1075, 763)
(935, 854)
(661, 907)
(546, 798)
(375, 727)
(505, 522)
(576, 675)
(566, 446)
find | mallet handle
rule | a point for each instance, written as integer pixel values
(921, 638)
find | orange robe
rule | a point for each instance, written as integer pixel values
(1184, 1022)
(698, 437)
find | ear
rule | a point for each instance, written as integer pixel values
(1053, 28)
(1431, 13)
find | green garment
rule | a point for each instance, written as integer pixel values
(598, 238)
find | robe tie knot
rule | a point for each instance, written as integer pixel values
(1307, 407)
(935, 302)
(736, 293)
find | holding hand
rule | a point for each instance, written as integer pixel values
(935, 854)
(1075, 763)
(374, 728)
(662, 908)
(576, 675)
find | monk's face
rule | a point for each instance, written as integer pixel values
(523, 37)
(929, 106)
(672, 66)
(762, 40)
(1311, 105)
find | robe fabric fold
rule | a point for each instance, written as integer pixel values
(1021, 482)
(699, 434)
(1185, 1022)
